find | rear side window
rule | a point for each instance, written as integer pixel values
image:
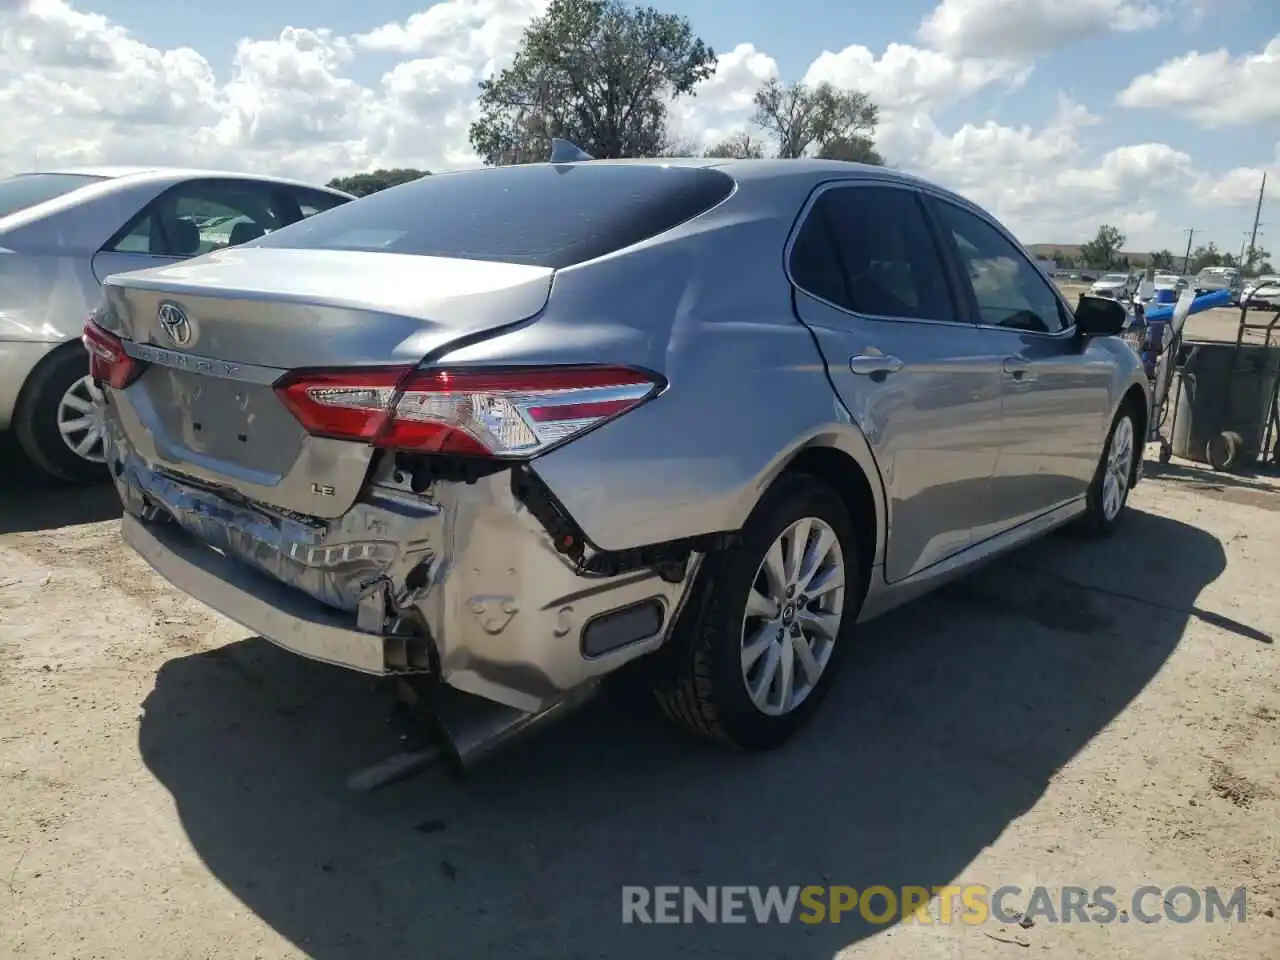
(28, 189)
(536, 214)
(869, 249)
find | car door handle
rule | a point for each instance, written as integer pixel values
(1018, 370)
(875, 366)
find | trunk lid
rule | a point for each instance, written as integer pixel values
(204, 407)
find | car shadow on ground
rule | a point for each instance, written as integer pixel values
(32, 500)
(946, 727)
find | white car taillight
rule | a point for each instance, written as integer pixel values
(511, 412)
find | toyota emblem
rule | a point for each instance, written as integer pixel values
(175, 323)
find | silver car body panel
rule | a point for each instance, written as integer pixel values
(209, 409)
(17, 359)
(52, 263)
(960, 464)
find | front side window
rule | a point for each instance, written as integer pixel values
(1009, 291)
(869, 249)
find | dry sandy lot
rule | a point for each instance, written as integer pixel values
(1077, 714)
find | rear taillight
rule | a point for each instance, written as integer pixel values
(108, 363)
(513, 412)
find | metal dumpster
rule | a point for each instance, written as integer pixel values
(1224, 402)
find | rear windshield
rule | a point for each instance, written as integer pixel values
(536, 214)
(28, 189)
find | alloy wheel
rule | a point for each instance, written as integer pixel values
(793, 616)
(1115, 480)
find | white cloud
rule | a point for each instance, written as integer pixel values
(1012, 28)
(77, 88)
(909, 78)
(478, 31)
(1236, 188)
(1214, 88)
(723, 103)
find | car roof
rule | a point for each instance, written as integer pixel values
(178, 174)
(804, 169)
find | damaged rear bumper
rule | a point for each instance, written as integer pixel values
(280, 613)
(460, 582)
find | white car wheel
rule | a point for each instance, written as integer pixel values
(80, 421)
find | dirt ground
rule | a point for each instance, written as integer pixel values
(1077, 714)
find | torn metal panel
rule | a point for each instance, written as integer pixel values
(458, 578)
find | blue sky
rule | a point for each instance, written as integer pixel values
(985, 142)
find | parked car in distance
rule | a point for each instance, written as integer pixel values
(62, 232)
(1115, 286)
(509, 430)
(1219, 278)
(1262, 291)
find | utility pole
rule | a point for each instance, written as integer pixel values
(1186, 258)
(1257, 222)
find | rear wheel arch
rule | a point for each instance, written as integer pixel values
(35, 373)
(861, 495)
(1134, 400)
(40, 393)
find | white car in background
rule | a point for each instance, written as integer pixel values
(62, 233)
(1116, 286)
(1212, 279)
(1262, 292)
(1170, 281)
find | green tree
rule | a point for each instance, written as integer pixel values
(740, 146)
(363, 184)
(1256, 260)
(600, 73)
(804, 119)
(1104, 249)
(1162, 260)
(677, 147)
(857, 149)
(1205, 255)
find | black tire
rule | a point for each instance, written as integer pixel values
(704, 691)
(36, 417)
(1223, 451)
(1095, 522)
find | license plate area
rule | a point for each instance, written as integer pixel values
(218, 420)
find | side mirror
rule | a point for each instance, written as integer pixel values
(1100, 317)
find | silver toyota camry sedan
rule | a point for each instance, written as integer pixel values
(61, 233)
(508, 431)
